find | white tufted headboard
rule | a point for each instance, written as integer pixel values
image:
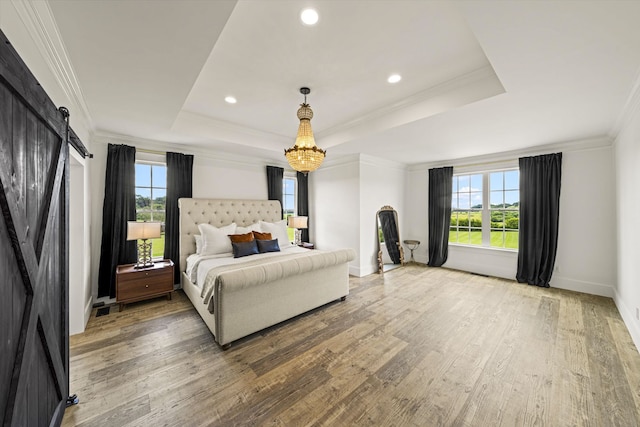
(220, 212)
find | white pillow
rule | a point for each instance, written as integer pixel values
(278, 231)
(198, 243)
(216, 240)
(244, 230)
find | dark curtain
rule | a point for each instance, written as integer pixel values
(179, 184)
(440, 182)
(390, 234)
(303, 201)
(274, 183)
(539, 213)
(119, 207)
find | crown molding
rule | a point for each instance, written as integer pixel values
(358, 159)
(505, 157)
(212, 155)
(40, 23)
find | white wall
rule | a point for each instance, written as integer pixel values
(99, 166)
(80, 296)
(586, 259)
(334, 189)
(347, 192)
(415, 211)
(381, 183)
(627, 161)
(215, 179)
(586, 256)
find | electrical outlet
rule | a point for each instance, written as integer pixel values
(637, 313)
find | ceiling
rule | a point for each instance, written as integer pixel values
(478, 77)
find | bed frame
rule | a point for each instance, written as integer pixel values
(247, 309)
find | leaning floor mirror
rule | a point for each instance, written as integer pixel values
(390, 253)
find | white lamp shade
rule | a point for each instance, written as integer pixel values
(297, 221)
(143, 230)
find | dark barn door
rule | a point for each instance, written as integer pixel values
(34, 360)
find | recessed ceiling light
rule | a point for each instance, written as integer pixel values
(309, 16)
(394, 78)
(230, 100)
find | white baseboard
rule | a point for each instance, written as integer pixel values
(632, 324)
(364, 271)
(500, 263)
(354, 271)
(105, 300)
(501, 270)
(582, 286)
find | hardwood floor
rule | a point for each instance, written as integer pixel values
(417, 346)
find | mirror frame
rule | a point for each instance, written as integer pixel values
(387, 208)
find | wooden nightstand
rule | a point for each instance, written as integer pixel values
(134, 284)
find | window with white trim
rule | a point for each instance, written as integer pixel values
(466, 210)
(504, 208)
(289, 199)
(485, 209)
(151, 198)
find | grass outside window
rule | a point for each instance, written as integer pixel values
(474, 237)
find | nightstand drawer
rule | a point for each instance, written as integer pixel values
(145, 285)
(138, 275)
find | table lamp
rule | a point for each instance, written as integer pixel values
(297, 222)
(143, 231)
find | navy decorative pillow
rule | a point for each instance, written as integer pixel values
(241, 249)
(268, 246)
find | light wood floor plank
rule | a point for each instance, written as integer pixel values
(616, 401)
(417, 346)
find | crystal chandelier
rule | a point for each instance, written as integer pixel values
(305, 156)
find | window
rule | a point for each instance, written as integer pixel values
(485, 209)
(151, 196)
(505, 208)
(289, 199)
(466, 210)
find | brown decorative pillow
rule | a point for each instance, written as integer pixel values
(239, 238)
(262, 236)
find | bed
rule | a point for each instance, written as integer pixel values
(243, 296)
